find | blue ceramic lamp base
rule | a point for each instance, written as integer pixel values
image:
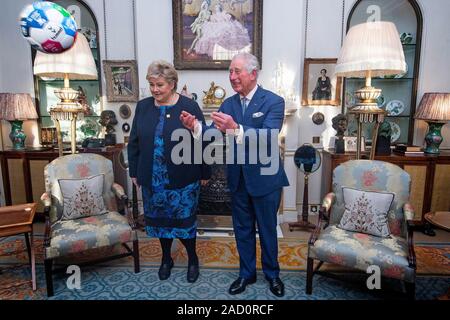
(434, 137)
(17, 135)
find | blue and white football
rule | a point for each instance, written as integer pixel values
(48, 27)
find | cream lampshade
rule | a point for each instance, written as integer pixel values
(370, 49)
(434, 108)
(15, 108)
(77, 63)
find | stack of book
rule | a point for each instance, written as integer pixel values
(406, 150)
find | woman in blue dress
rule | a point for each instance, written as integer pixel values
(170, 189)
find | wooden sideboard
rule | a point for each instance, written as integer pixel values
(430, 177)
(23, 171)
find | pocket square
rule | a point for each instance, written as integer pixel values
(257, 115)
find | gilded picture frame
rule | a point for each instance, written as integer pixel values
(122, 84)
(208, 33)
(318, 88)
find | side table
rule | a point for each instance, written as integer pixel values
(16, 220)
(439, 218)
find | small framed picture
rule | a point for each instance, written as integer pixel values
(351, 143)
(320, 85)
(121, 80)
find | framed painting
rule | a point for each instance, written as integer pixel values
(208, 33)
(320, 85)
(352, 142)
(121, 80)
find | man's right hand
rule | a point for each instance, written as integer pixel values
(134, 180)
(188, 120)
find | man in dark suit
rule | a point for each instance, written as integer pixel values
(251, 114)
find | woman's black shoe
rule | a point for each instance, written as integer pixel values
(164, 270)
(193, 273)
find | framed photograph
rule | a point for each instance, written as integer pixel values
(320, 85)
(121, 80)
(351, 143)
(207, 34)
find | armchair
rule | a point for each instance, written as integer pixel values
(394, 255)
(65, 235)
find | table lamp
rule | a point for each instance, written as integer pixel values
(15, 108)
(77, 63)
(434, 108)
(369, 50)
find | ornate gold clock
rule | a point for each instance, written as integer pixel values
(214, 96)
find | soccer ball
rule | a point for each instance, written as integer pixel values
(48, 27)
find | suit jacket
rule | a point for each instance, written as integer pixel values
(141, 144)
(264, 111)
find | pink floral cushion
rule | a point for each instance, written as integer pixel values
(82, 197)
(366, 211)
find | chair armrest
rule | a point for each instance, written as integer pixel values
(408, 212)
(327, 202)
(46, 199)
(324, 213)
(119, 191)
(120, 194)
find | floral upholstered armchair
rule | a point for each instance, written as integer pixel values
(393, 252)
(81, 211)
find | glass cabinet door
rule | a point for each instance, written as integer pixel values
(90, 90)
(399, 92)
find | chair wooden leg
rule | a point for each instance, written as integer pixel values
(309, 275)
(48, 265)
(136, 256)
(410, 290)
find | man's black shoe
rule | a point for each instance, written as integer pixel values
(164, 270)
(276, 286)
(193, 273)
(239, 285)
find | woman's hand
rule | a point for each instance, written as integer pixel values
(188, 120)
(204, 182)
(134, 180)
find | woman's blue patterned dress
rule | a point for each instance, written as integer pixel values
(169, 213)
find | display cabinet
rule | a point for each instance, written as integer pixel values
(399, 92)
(90, 90)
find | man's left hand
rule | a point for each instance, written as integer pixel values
(223, 121)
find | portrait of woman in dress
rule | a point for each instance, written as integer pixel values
(322, 91)
(224, 30)
(170, 190)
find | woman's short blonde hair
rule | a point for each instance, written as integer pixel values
(163, 69)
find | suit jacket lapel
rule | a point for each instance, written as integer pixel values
(237, 108)
(255, 104)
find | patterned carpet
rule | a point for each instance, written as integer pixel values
(219, 267)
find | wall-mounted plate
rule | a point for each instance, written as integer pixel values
(395, 107)
(125, 111)
(396, 131)
(318, 118)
